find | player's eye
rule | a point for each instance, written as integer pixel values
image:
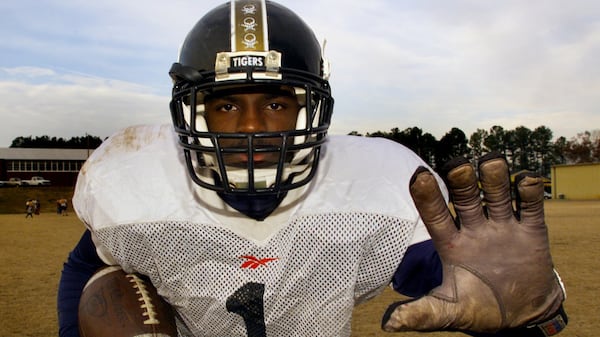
(227, 107)
(275, 106)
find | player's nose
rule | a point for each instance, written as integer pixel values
(251, 119)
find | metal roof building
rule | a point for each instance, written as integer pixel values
(576, 181)
(34, 154)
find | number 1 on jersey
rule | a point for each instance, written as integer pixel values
(248, 302)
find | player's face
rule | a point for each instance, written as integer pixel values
(271, 110)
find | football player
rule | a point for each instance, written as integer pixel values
(251, 221)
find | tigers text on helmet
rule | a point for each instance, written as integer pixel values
(251, 44)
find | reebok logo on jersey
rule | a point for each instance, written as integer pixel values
(254, 262)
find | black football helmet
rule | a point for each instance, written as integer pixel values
(251, 43)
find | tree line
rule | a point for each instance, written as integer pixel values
(525, 149)
(46, 142)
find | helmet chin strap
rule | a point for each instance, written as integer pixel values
(257, 207)
(263, 178)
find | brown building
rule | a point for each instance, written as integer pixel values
(60, 166)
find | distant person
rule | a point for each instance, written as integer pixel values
(61, 206)
(29, 209)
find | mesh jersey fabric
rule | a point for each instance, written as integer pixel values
(300, 272)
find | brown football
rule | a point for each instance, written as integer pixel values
(114, 303)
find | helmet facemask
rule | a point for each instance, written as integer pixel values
(291, 155)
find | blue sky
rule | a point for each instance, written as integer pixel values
(71, 67)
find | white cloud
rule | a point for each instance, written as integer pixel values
(31, 72)
(69, 105)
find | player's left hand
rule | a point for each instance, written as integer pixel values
(497, 268)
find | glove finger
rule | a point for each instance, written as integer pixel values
(415, 314)
(432, 207)
(495, 182)
(530, 199)
(462, 183)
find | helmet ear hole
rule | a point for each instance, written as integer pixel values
(181, 73)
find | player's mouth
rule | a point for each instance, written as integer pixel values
(258, 158)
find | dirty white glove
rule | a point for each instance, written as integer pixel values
(497, 268)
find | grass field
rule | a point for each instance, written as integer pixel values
(12, 199)
(32, 252)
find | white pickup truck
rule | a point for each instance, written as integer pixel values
(36, 181)
(13, 182)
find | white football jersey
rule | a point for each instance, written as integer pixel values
(300, 272)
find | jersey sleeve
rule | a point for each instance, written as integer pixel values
(420, 270)
(81, 264)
